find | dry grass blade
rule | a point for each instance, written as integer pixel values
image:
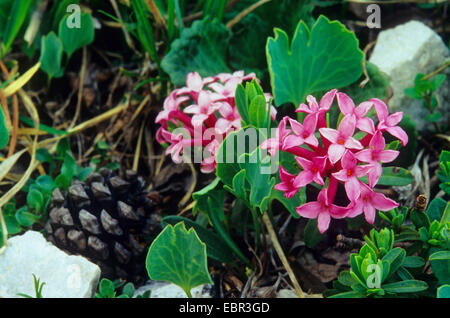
(31, 109)
(9, 162)
(137, 154)
(21, 81)
(246, 12)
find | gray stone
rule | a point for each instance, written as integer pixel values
(167, 290)
(65, 276)
(401, 53)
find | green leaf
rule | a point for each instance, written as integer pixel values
(312, 234)
(413, 262)
(4, 133)
(51, 55)
(406, 286)
(434, 117)
(261, 182)
(128, 290)
(419, 219)
(436, 209)
(393, 176)
(258, 112)
(242, 104)
(106, 288)
(15, 20)
(74, 38)
(25, 218)
(325, 57)
(178, 256)
(201, 48)
(440, 264)
(215, 246)
(350, 294)
(144, 29)
(35, 200)
(446, 215)
(437, 81)
(395, 258)
(346, 279)
(443, 291)
(441, 255)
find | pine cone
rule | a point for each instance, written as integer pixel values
(109, 220)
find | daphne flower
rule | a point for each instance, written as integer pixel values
(323, 106)
(177, 145)
(203, 109)
(274, 144)
(171, 104)
(230, 119)
(209, 164)
(302, 133)
(287, 183)
(311, 171)
(374, 155)
(368, 202)
(226, 91)
(347, 106)
(322, 210)
(389, 122)
(341, 139)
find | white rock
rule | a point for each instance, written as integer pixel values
(401, 53)
(167, 290)
(65, 276)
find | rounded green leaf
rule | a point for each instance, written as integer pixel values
(178, 256)
(443, 291)
(74, 38)
(51, 54)
(325, 57)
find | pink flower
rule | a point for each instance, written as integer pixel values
(368, 202)
(322, 210)
(203, 109)
(230, 119)
(225, 77)
(275, 144)
(302, 133)
(349, 175)
(323, 106)
(374, 155)
(171, 104)
(209, 164)
(311, 171)
(341, 139)
(177, 144)
(226, 91)
(194, 84)
(389, 122)
(347, 106)
(287, 183)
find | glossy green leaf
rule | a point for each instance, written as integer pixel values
(201, 48)
(325, 57)
(395, 258)
(440, 264)
(74, 38)
(413, 262)
(35, 200)
(178, 256)
(25, 218)
(215, 246)
(51, 55)
(406, 286)
(261, 182)
(443, 291)
(350, 294)
(436, 209)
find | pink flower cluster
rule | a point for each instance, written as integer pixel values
(340, 158)
(204, 104)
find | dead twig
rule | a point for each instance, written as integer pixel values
(279, 250)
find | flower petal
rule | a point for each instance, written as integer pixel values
(380, 108)
(335, 152)
(323, 221)
(388, 155)
(309, 210)
(380, 202)
(345, 103)
(347, 125)
(398, 133)
(327, 100)
(330, 134)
